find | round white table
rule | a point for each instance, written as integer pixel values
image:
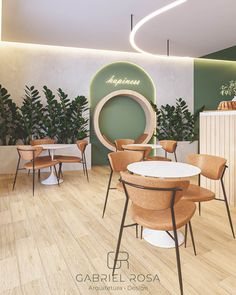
(163, 169)
(52, 179)
(153, 146)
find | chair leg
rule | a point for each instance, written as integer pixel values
(57, 175)
(33, 180)
(192, 238)
(60, 171)
(141, 234)
(39, 174)
(175, 157)
(227, 208)
(86, 170)
(108, 188)
(28, 172)
(136, 226)
(83, 168)
(177, 253)
(199, 208)
(185, 235)
(120, 234)
(17, 168)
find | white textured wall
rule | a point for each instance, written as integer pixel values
(72, 70)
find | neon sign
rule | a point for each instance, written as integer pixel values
(124, 81)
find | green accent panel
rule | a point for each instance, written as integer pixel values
(225, 54)
(134, 114)
(209, 75)
(121, 117)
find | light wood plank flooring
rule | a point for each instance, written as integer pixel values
(49, 239)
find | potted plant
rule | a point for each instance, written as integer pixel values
(176, 122)
(229, 89)
(62, 118)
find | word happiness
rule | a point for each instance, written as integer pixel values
(113, 80)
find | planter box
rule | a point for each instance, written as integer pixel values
(9, 158)
(184, 148)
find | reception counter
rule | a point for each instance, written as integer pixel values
(218, 137)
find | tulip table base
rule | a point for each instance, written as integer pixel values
(51, 180)
(161, 239)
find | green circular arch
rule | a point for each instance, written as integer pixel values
(122, 117)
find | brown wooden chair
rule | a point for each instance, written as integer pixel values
(31, 154)
(157, 204)
(118, 162)
(145, 150)
(45, 140)
(141, 138)
(120, 142)
(39, 141)
(169, 146)
(212, 167)
(81, 144)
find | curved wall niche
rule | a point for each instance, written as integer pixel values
(119, 96)
(140, 99)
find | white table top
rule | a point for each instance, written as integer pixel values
(164, 169)
(55, 146)
(153, 146)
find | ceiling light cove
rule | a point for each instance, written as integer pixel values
(148, 18)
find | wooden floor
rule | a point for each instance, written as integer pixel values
(49, 240)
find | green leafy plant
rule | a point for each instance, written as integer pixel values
(229, 88)
(64, 134)
(32, 113)
(63, 119)
(10, 130)
(176, 122)
(79, 118)
(68, 121)
(52, 111)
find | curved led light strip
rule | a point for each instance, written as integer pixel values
(146, 19)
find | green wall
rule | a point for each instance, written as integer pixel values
(121, 117)
(225, 54)
(209, 75)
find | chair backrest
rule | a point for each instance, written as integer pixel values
(82, 144)
(141, 138)
(211, 166)
(144, 149)
(120, 142)
(169, 145)
(121, 159)
(28, 153)
(153, 193)
(45, 140)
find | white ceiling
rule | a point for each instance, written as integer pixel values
(195, 28)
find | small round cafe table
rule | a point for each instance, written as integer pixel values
(52, 179)
(151, 145)
(162, 169)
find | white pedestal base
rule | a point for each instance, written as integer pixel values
(51, 180)
(161, 238)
